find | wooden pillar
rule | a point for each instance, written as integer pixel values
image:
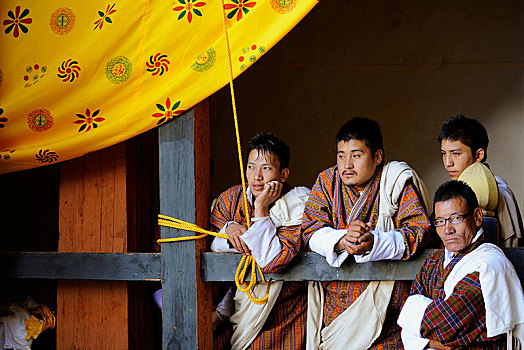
(184, 194)
(93, 218)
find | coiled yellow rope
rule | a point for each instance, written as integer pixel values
(246, 261)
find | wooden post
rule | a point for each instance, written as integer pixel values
(93, 218)
(184, 194)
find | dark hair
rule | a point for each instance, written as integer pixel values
(455, 189)
(267, 143)
(466, 130)
(362, 129)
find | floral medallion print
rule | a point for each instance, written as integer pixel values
(188, 8)
(158, 64)
(283, 6)
(205, 60)
(119, 69)
(238, 8)
(104, 16)
(46, 156)
(62, 21)
(88, 120)
(250, 54)
(168, 111)
(40, 120)
(17, 22)
(69, 70)
(34, 74)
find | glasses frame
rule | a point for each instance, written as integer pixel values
(462, 218)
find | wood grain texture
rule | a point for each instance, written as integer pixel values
(93, 218)
(216, 267)
(183, 327)
(202, 205)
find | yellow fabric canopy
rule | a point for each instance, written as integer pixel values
(79, 78)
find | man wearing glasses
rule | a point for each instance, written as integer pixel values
(467, 294)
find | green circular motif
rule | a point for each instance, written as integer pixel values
(62, 20)
(205, 60)
(252, 58)
(119, 69)
(40, 120)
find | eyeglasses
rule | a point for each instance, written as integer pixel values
(453, 219)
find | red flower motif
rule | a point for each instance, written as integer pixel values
(239, 7)
(169, 111)
(104, 16)
(189, 8)
(88, 120)
(17, 22)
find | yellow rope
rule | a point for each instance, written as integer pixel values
(235, 119)
(247, 260)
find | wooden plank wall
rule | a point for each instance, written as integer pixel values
(93, 218)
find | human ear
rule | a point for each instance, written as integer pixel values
(284, 174)
(477, 215)
(479, 155)
(379, 154)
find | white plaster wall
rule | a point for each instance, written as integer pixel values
(408, 64)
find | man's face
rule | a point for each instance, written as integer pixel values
(456, 157)
(356, 164)
(457, 236)
(263, 168)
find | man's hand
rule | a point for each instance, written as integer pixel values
(434, 344)
(234, 231)
(270, 194)
(358, 239)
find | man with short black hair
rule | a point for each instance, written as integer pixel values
(274, 239)
(467, 294)
(372, 212)
(464, 142)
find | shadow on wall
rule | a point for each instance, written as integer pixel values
(409, 65)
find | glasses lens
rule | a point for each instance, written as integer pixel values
(439, 222)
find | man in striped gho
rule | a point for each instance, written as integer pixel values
(274, 239)
(368, 211)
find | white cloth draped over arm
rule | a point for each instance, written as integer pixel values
(323, 242)
(262, 240)
(410, 319)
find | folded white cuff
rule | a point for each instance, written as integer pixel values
(386, 245)
(221, 245)
(323, 242)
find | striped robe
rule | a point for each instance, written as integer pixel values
(285, 327)
(460, 320)
(329, 204)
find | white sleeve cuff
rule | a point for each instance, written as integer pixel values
(386, 245)
(262, 240)
(323, 242)
(410, 319)
(221, 245)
